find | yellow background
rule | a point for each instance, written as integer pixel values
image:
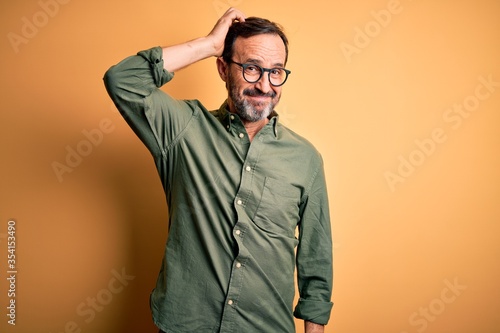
(399, 242)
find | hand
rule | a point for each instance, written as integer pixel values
(181, 55)
(219, 31)
(311, 327)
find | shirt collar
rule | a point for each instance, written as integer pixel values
(226, 118)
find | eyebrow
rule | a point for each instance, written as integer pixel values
(258, 62)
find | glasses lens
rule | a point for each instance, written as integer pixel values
(252, 73)
(277, 76)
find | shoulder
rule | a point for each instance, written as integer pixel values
(299, 143)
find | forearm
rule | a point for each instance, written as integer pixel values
(182, 55)
(311, 327)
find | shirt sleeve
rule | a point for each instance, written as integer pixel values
(133, 85)
(314, 255)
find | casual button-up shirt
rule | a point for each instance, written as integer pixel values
(243, 216)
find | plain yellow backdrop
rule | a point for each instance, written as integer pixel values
(402, 98)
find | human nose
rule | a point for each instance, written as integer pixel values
(263, 84)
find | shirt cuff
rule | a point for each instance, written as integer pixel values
(314, 311)
(155, 58)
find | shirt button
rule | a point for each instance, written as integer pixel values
(239, 202)
(238, 265)
(238, 232)
(248, 168)
(230, 302)
(232, 117)
(241, 135)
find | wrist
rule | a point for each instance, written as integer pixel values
(211, 46)
(311, 327)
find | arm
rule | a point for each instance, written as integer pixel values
(133, 85)
(311, 327)
(314, 256)
(182, 55)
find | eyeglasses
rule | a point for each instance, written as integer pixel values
(252, 73)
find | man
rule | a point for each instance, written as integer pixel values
(238, 184)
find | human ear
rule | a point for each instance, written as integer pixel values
(222, 68)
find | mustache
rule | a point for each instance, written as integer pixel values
(255, 92)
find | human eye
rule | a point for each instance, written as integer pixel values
(277, 72)
(252, 69)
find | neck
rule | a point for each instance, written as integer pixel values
(253, 127)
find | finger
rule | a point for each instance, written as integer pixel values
(235, 15)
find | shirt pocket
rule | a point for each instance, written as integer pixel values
(278, 209)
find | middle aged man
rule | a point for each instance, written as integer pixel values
(247, 196)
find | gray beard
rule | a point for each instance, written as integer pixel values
(245, 109)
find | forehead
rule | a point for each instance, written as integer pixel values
(264, 48)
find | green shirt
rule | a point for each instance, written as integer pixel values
(242, 215)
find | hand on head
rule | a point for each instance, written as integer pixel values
(219, 31)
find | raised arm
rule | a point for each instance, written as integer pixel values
(133, 85)
(182, 55)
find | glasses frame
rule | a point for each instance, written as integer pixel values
(262, 70)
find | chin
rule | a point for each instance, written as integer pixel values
(253, 114)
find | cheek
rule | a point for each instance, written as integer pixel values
(236, 83)
(278, 93)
